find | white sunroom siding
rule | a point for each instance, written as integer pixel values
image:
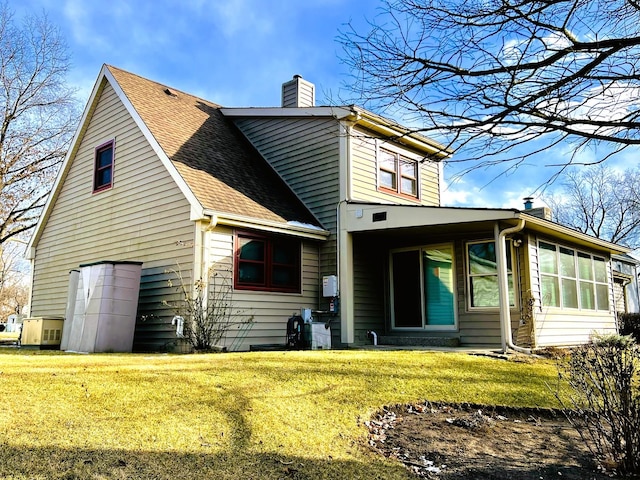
(125, 222)
(269, 310)
(558, 327)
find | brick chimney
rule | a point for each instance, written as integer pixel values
(298, 93)
(540, 212)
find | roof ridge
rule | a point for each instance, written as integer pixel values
(173, 89)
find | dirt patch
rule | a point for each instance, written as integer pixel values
(448, 442)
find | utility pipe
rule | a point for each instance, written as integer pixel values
(503, 286)
(374, 336)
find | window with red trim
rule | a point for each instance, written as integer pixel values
(397, 173)
(267, 263)
(103, 167)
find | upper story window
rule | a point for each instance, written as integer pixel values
(482, 275)
(397, 173)
(103, 167)
(572, 279)
(270, 263)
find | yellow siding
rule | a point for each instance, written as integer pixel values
(364, 173)
(370, 292)
(144, 217)
(305, 152)
(269, 311)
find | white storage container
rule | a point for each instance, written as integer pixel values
(320, 336)
(106, 303)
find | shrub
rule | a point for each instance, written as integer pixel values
(604, 400)
(207, 309)
(629, 324)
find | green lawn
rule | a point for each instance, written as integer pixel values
(229, 416)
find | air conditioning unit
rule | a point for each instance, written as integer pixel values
(42, 332)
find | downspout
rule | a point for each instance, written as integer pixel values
(503, 286)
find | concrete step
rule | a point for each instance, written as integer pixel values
(418, 341)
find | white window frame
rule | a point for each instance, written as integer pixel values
(469, 276)
(594, 282)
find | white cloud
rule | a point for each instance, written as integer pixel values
(236, 16)
(455, 197)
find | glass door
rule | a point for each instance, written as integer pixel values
(407, 289)
(422, 288)
(437, 264)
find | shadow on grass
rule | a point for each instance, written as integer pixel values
(79, 464)
(52, 463)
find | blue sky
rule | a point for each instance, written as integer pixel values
(238, 53)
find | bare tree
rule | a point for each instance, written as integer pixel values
(38, 117)
(600, 201)
(14, 289)
(494, 75)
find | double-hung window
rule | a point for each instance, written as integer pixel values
(397, 173)
(103, 167)
(572, 279)
(482, 275)
(270, 263)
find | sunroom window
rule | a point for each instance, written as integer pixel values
(482, 274)
(572, 279)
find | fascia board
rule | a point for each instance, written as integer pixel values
(353, 114)
(551, 228)
(359, 218)
(401, 134)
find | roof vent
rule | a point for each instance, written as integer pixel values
(298, 93)
(528, 203)
(169, 92)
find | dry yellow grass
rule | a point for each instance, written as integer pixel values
(247, 415)
(9, 336)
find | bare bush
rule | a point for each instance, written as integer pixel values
(207, 309)
(603, 403)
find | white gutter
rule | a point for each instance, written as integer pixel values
(503, 286)
(291, 228)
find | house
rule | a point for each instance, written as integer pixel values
(333, 209)
(626, 290)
